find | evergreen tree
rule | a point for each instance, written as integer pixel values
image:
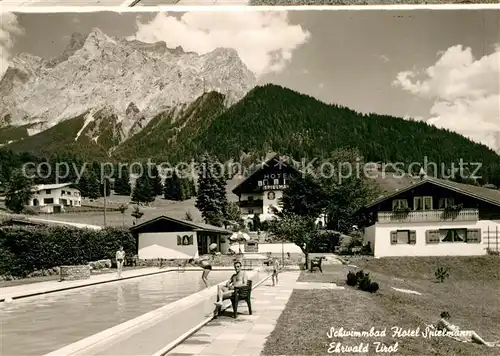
(192, 188)
(185, 189)
(211, 199)
(144, 190)
(173, 189)
(122, 183)
(19, 191)
(156, 180)
(89, 185)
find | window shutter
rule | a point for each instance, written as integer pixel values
(394, 237)
(413, 237)
(191, 239)
(432, 236)
(179, 240)
(473, 236)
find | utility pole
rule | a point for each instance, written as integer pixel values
(105, 198)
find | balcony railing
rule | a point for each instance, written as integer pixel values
(385, 217)
(251, 203)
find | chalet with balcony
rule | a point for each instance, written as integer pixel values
(53, 198)
(433, 217)
(263, 189)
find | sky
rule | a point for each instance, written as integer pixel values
(441, 66)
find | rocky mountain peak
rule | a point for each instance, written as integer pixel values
(98, 70)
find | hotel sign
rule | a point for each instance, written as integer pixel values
(274, 181)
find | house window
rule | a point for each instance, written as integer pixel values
(453, 235)
(276, 181)
(48, 200)
(446, 203)
(422, 203)
(399, 204)
(47, 191)
(404, 237)
(250, 211)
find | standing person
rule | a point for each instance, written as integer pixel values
(276, 269)
(205, 262)
(120, 258)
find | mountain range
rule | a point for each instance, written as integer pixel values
(115, 99)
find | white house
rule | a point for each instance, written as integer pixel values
(170, 238)
(433, 217)
(52, 198)
(262, 190)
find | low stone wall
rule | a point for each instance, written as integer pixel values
(74, 273)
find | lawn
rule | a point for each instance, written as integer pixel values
(470, 295)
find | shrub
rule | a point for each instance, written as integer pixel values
(442, 273)
(362, 280)
(352, 279)
(43, 247)
(373, 287)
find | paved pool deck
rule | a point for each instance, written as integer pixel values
(247, 334)
(38, 288)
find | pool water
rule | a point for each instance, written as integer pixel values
(39, 325)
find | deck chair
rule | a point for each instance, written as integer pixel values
(241, 294)
(316, 263)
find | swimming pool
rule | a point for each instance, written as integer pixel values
(39, 325)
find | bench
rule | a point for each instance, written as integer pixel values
(316, 263)
(243, 293)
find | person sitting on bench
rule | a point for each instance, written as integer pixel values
(238, 279)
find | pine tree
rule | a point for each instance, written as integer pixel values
(144, 189)
(192, 188)
(211, 199)
(172, 187)
(185, 189)
(89, 185)
(156, 180)
(122, 183)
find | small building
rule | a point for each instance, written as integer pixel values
(52, 198)
(433, 217)
(170, 238)
(262, 190)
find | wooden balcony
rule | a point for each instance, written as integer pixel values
(387, 217)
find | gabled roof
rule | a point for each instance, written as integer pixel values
(262, 166)
(40, 187)
(191, 224)
(488, 195)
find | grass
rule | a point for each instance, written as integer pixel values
(23, 281)
(470, 295)
(175, 209)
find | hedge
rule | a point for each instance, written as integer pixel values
(25, 249)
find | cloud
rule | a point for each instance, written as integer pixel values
(9, 27)
(264, 41)
(465, 92)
